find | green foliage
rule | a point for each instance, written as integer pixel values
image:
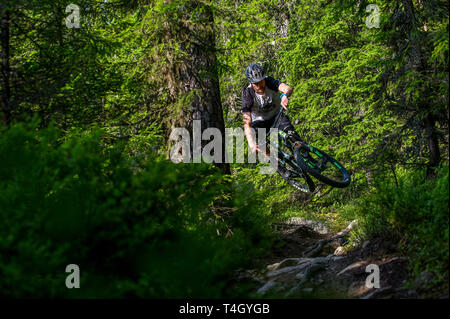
(334, 67)
(141, 226)
(414, 210)
(358, 95)
(136, 229)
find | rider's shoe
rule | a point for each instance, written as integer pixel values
(285, 173)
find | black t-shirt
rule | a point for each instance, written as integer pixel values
(262, 106)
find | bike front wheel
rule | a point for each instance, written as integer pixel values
(322, 166)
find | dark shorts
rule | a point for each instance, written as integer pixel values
(283, 123)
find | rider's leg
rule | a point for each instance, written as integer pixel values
(257, 125)
(266, 151)
(285, 125)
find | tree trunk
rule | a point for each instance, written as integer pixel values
(193, 79)
(418, 64)
(5, 68)
(433, 145)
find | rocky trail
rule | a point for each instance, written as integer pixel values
(310, 262)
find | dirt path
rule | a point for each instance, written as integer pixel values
(309, 262)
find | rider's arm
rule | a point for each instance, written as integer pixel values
(285, 89)
(247, 116)
(277, 86)
(247, 103)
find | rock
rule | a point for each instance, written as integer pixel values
(357, 265)
(305, 260)
(278, 272)
(284, 263)
(321, 260)
(336, 258)
(310, 271)
(339, 251)
(303, 263)
(317, 226)
(268, 287)
(300, 276)
(341, 272)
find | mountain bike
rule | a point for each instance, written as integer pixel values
(301, 159)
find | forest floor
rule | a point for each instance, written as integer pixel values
(310, 262)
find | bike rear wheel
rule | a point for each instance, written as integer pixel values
(322, 166)
(300, 180)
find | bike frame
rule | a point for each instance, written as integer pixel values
(282, 155)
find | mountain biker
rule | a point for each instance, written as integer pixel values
(261, 103)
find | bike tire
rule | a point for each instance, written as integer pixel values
(296, 184)
(298, 181)
(308, 166)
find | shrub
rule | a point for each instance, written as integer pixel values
(413, 209)
(142, 228)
